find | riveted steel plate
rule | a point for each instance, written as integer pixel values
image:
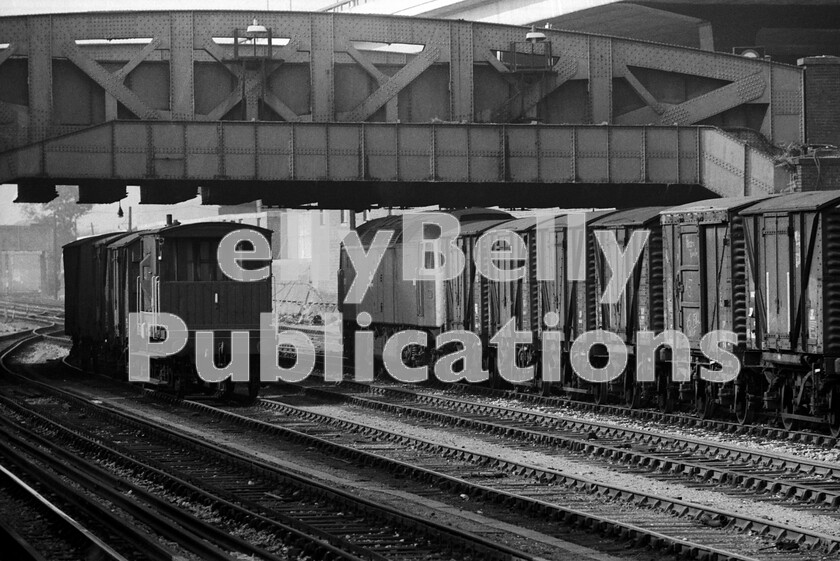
(461, 51)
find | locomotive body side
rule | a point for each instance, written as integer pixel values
(396, 304)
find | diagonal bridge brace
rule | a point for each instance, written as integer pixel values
(717, 101)
(250, 85)
(527, 98)
(391, 111)
(113, 83)
(11, 113)
(246, 89)
(392, 86)
(6, 53)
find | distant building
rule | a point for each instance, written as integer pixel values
(28, 263)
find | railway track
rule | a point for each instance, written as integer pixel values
(771, 428)
(249, 497)
(799, 481)
(705, 527)
(674, 525)
(680, 419)
(34, 528)
(11, 310)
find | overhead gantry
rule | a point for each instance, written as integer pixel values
(349, 110)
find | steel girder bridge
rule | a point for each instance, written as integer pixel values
(350, 111)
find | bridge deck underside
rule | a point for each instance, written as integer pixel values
(358, 165)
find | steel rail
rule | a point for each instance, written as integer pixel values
(456, 539)
(458, 485)
(742, 522)
(646, 414)
(21, 549)
(320, 545)
(678, 419)
(823, 485)
(164, 518)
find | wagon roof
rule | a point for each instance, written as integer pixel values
(718, 204)
(368, 230)
(562, 220)
(630, 217)
(517, 224)
(796, 202)
(108, 240)
(126, 240)
(207, 228)
(90, 239)
(473, 228)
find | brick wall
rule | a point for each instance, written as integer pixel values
(822, 99)
(820, 175)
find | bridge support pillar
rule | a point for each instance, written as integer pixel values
(36, 191)
(167, 192)
(101, 192)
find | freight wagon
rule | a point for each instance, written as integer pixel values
(172, 270)
(764, 269)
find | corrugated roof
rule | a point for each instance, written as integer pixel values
(107, 240)
(465, 216)
(90, 239)
(562, 221)
(711, 205)
(796, 202)
(480, 226)
(630, 217)
(179, 229)
(518, 224)
(127, 239)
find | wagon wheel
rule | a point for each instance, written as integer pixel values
(253, 389)
(545, 388)
(744, 408)
(223, 390)
(632, 391)
(599, 393)
(704, 401)
(665, 399)
(178, 385)
(834, 412)
(787, 407)
(491, 365)
(122, 366)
